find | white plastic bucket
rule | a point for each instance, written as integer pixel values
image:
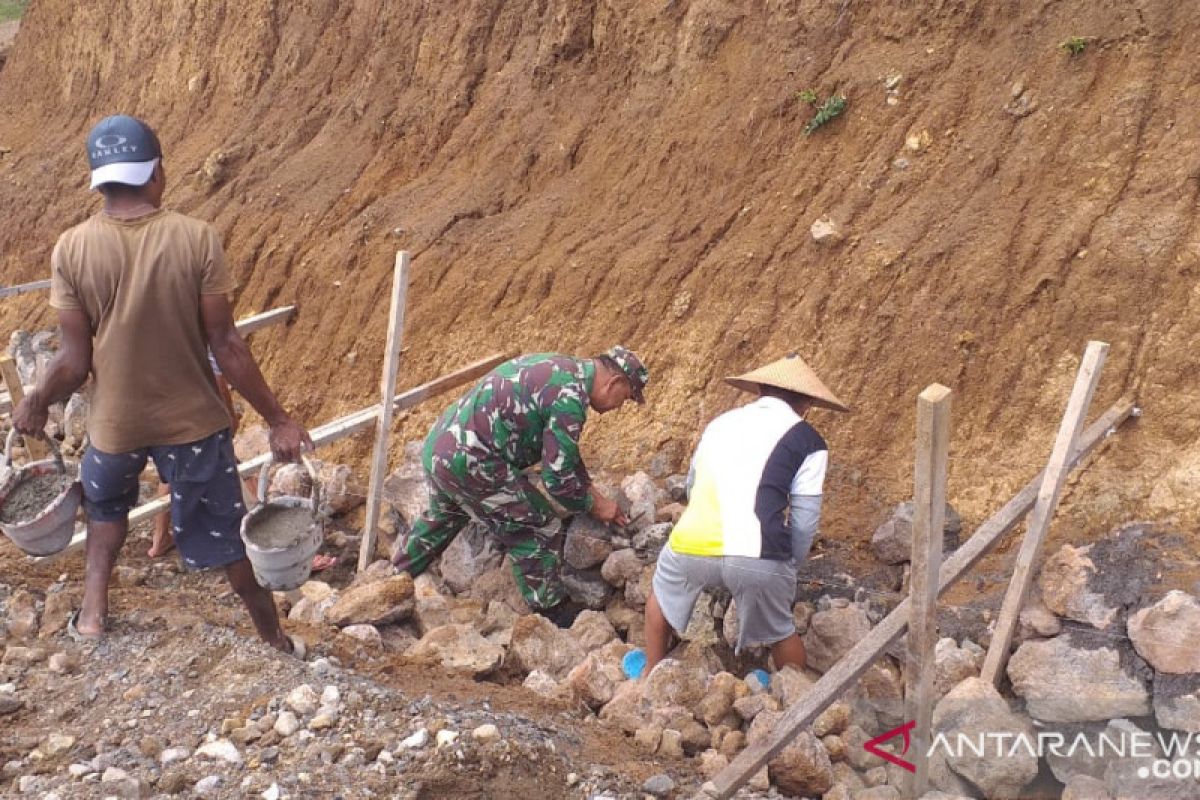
(50, 530)
(285, 567)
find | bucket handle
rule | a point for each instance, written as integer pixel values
(55, 450)
(264, 481)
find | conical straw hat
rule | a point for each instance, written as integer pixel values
(791, 373)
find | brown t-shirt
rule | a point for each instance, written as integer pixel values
(139, 281)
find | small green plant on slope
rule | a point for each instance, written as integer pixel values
(827, 111)
(807, 96)
(1075, 45)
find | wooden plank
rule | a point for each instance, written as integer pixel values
(929, 516)
(862, 655)
(329, 432)
(1054, 476)
(245, 326)
(383, 427)
(249, 325)
(24, 288)
(36, 447)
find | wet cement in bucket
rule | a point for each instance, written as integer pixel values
(31, 496)
(278, 527)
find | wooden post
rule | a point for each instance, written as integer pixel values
(383, 428)
(36, 448)
(839, 677)
(1039, 521)
(929, 512)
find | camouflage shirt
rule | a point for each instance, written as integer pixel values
(527, 410)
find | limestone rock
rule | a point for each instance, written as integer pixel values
(22, 619)
(892, 541)
(973, 709)
(541, 683)
(723, 690)
(368, 634)
(430, 608)
(832, 633)
(833, 720)
(588, 542)
(1064, 583)
(825, 231)
(1166, 633)
(537, 643)
(1061, 682)
(789, 684)
(649, 541)
(587, 587)
(407, 489)
(1177, 701)
(622, 566)
(498, 584)
(628, 709)
(458, 647)
(378, 603)
(472, 553)
(674, 683)
(1036, 619)
(954, 664)
(594, 680)
(638, 592)
(676, 486)
(593, 630)
(642, 493)
(1085, 787)
(802, 768)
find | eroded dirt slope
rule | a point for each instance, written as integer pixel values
(569, 174)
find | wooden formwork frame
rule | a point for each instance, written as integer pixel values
(840, 677)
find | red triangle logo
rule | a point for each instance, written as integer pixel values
(872, 746)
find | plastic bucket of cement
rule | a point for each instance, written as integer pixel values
(283, 535)
(38, 502)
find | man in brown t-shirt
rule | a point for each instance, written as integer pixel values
(142, 294)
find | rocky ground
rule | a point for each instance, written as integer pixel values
(447, 685)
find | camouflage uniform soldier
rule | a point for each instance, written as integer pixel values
(529, 409)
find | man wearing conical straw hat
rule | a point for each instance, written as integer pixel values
(754, 500)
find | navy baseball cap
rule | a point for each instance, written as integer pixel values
(122, 149)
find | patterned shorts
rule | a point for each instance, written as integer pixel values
(206, 494)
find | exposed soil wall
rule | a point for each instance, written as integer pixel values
(570, 174)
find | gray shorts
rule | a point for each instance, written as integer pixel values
(764, 590)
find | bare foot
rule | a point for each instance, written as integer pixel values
(161, 544)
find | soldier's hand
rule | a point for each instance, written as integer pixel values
(606, 509)
(289, 440)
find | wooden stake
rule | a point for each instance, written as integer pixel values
(1039, 521)
(387, 385)
(929, 512)
(329, 432)
(863, 654)
(12, 379)
(24, 288)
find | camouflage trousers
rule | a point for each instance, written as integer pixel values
(511, 509)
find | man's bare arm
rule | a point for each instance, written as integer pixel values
(238, 366)
(66, 373)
